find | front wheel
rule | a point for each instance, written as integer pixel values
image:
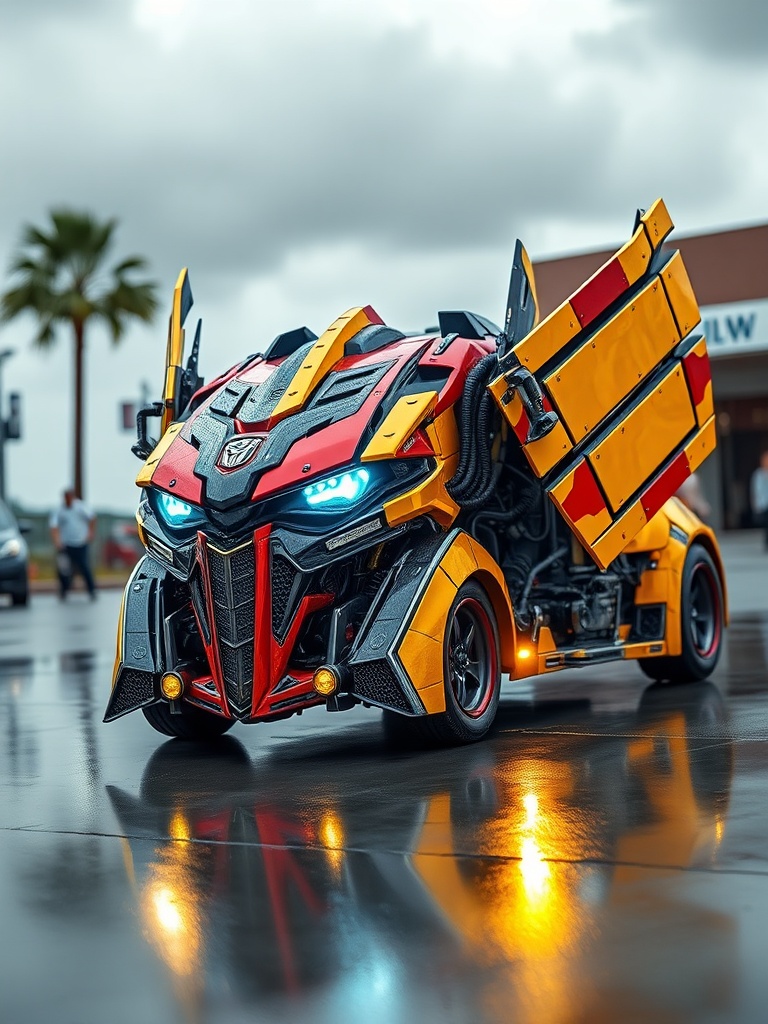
(191, 724)
(471, 675)
(702, 623)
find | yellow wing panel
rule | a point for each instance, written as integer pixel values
(702, 445)
(581, 504)
(644, 439)
(635, 256)
(617, 536)
(604, 370)
(679, 290)
(548, 338)
(399, 424)
(658, 223)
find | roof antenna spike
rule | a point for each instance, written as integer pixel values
(191, 381)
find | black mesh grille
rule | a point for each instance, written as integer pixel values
(232, 587)
(133, 690)
(283, 575)
(375, 680)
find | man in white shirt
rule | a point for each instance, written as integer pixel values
(72, 528)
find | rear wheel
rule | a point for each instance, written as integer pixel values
(471, 675)
(20, 599)
(702, 623)
(191, 724)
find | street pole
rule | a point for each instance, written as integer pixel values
(5, 354)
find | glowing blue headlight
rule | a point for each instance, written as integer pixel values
(175, 511)
(341, 490)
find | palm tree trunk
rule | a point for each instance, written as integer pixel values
(79, 328)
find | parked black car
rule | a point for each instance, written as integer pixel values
(14, 558)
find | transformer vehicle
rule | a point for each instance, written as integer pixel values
(367, 517)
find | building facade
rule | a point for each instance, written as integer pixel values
(729, 272)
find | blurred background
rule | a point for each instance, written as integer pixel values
(304, 156)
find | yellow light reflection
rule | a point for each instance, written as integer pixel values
(534, 869)
(168, 914)
(331, 835)
(171, 902)
(179, 827)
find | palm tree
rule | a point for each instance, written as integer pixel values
(59, 276)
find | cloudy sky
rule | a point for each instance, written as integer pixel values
(303, 156)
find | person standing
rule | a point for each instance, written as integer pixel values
(73, 526)
(759, 494)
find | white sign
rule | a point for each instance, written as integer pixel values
(736, 328)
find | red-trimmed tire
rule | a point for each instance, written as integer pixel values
(191, 724)
(471, 676)
(702, 623)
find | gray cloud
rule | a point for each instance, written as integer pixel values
(237, 148)
(737, 29)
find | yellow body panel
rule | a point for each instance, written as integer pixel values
(422, 656)
(443, 434)
(680, 293)
(653, 536)
(144, 479)
(635, 256)
(433, 698)
(324, 354)
(459, 561)
(657, 223)
(592, 381)
(636, 448)
(429, 496)
(399, 424)
(662, 585)
(548, 338)
(173, 356)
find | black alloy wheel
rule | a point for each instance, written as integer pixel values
(702, 613)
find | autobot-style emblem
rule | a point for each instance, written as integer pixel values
(238, 451)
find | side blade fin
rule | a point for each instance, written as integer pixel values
(522, 313)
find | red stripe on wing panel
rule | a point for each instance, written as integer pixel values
(665, 485)
(594, 297)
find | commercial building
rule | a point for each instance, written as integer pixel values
(729, 272)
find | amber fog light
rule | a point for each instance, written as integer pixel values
(172, 685)
(325, 680)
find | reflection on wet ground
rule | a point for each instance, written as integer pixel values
(602, 857)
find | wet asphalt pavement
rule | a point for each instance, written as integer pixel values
(603, 857)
